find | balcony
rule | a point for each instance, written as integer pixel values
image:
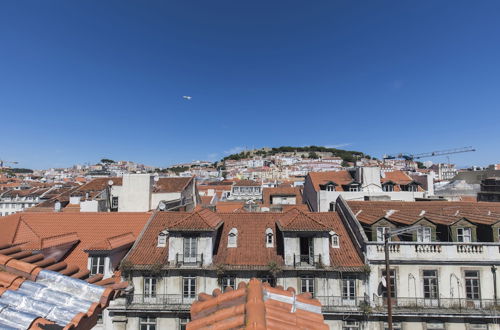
(307, 261)
(184, 260)
(436, 251)
(160, 301)
(438, 306)
(343, 304)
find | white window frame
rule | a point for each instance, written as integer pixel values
(269, 237)
(162, 238)
(381, 230)
(334, 240)
(189, 282)
(307, 282)
(147, 323)
(464, 234)
(424, 234)
(232, 238)
(99, 267)
(149, 288)
(228, 280)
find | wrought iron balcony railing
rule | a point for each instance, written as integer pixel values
(188, 259)
(307, 261)
(166, 301)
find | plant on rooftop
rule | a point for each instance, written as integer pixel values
(274, 268)
(126, 267)
(220, 270)
(367, 270)
(156, 269)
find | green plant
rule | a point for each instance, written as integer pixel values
(156, 269)
(365, 308)
(126, 267)
(367, 270)
(274, 268)
(220, 270)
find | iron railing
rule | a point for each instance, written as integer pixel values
(166, 301)
(456, 304)
(188, 260)
(307, 261)
(335, 303)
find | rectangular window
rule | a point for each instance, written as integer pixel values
(435, 326)
(381, 233)
(472, 288)
(464, 234)
(388, 187)
(114, 202)
(395, 326)
(477, 326)
(393, 284)
(149, 287)
(349, 288)
(430, 284)
(424, 234)
(189, 287)
(353, 188)
(190, 248)
(97, 265)
(228, 281)
(148, 323)
(350, 325)
(182, 323)
(307, 284)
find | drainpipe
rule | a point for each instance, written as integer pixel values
(494, 271)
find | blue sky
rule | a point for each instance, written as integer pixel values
(82, 80)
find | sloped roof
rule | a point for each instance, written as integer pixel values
(247, 183)
(407, 213)
(251, 250)
(256, 306)
(397, 177)
(168, 185)
(338, 177)
(80, 298)
(35, 229)
(200, 219)
(298, 220)
(268, 193)
(114, 242)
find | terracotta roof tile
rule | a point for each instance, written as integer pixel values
(256, 306)
(167, 185)
(31, 229)
(338, 177)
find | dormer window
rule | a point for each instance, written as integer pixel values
(330, 187)
(334, 240)
(388, 187)
(269, 238)
(232, 239)
(162, 238)
(464, 234)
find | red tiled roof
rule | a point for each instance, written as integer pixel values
(200, 219)
(32, 229)
(251, 249)
(268, 193)
(256, 306)
(224, 207)
(338, 177)
(246, 183)
(407, 213)
(398, 177)
(167, 185)
(114, 242)
(297, 220)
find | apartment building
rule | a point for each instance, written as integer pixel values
(443, 274)
(321, 189)
(182, 254)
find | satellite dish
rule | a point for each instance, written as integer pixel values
(110, 182)
(162, 206)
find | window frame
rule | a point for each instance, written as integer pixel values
(189, 283)
(462, 236)
(100, 267)
(422, 236)
(307, 282)
(431, 282)
(472, 285)
(149, 286)
(147, 323)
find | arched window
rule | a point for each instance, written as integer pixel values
(334, 240)
(162, 238)
(232, 238)
(269, 238)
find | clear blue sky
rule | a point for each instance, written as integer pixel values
(82, 80)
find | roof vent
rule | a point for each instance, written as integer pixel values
(57, 206)
(456, 213)
(389, 213)
(421, 213)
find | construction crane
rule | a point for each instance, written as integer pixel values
(7, 162)
(429, 154)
